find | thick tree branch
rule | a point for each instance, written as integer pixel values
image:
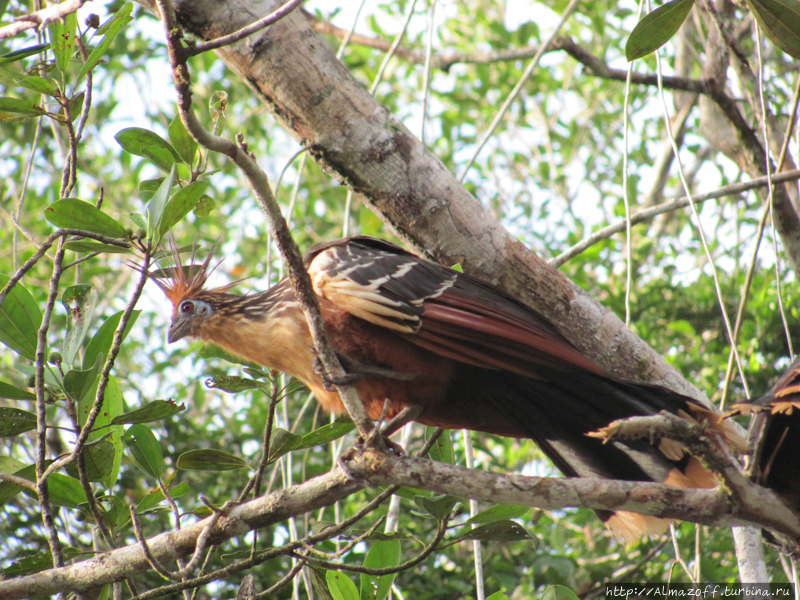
(751, 504)
(40, 18)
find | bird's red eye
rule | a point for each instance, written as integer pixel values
(187, 307)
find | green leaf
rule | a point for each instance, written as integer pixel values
(657, 28)
(442, 450)
(135, 140)
(380, 556)
(38, 562)
(63, 490)
(29, 82)
(497, 531)
(111, 28)
(209, 460)
(326, 434)
(145, 449)
(282, 442)
(20, 319)
(559, 592)
(341, 586)
(9, 490)
(80, 301)
(89, 246)
(233, 384)
(111, 408)
(153, 411)
(204, 206)
(78, 382)
(9, 465)
(12, 393)
(103, 339)
(780, 21)
(181, 204)
(75, 106)
(156, 496)
(17, 106)
(163, 158)
(499, 512)
(14, 421)
(16, 55)
(498, 596)
(99, 459)
(437, 506)
(155, 209)
(71, 213)
(183, 143)
(62, 39)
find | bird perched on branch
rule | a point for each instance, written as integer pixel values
(455, 352)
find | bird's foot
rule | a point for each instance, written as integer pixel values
(355, 372)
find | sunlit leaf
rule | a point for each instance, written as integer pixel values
(341, 586)
(152, 411)
(381, 555)
(20, 319)
(14, 421)
(80, 301)
(209, 460)
(657, 28)
(71, 213)
(144, 449)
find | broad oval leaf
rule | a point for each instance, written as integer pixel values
(63, 490)
(559, 592)
(780, 20)
(657, 28)
(326, 434)
(442, 450)
(183, 143)
(14, 421)
(181, 204)
(99, 460)
(136, 139)
(78, 382)
(145, 449)
(153, 411)
(20, 319)
(341, 586)
(17, 106)
(380, 556)
(71, 213)
(103, 426)
(282, 442)
(209, 460)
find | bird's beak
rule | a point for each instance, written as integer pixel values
(181, 325)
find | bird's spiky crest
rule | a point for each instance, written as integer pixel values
(186, 282)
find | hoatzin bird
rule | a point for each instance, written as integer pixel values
(464, 353)
(775, 436)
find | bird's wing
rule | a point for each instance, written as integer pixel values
(447, 312)
(775, 436)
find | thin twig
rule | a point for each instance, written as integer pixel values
(41, 416)
(649, 213)
(40, 18)
(518, 87)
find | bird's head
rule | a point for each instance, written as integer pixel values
(193, 305)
